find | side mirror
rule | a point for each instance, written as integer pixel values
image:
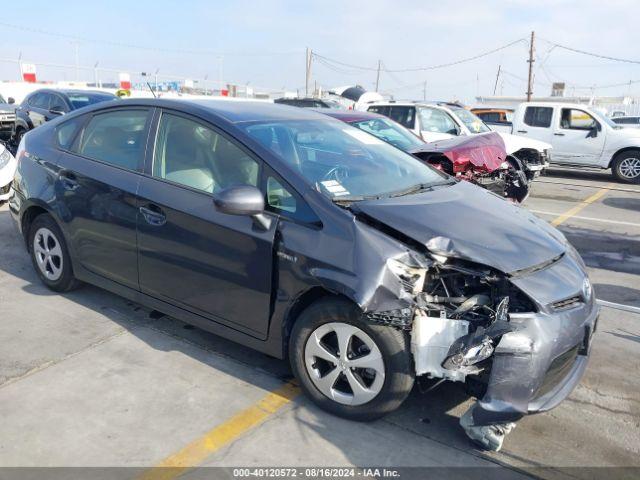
(593, 132)
(56, 110)
(243, 200)
(11, 100)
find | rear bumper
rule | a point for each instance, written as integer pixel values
(536, 367)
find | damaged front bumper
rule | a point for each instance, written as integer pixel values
(521, 363)
(536, 367)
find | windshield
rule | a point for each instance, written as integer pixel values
(473, 123)
(79, 100)
(342, 162)
(604, 119)
(390, 132)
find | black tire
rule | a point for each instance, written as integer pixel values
(393, 345)
(619, 166)
(66, 281)
(18, 137)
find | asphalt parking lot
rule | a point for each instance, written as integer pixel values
(90, 379)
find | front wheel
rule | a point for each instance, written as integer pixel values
(349, 367)
(626, 167)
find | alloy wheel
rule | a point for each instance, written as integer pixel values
(48, 254)
(630, 168)
(344, 363)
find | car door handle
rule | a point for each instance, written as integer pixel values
(68, 180)
(559, 134)
(153, 215)
(523, 131)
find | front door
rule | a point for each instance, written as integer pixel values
(191, 255)
(97, 186)
(436, 125)
(578, 138)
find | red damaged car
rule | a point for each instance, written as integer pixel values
(480, 159)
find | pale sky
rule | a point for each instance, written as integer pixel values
(263, 43)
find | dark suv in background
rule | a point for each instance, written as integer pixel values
(46, 104)
(7, 117)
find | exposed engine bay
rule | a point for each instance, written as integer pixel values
(460, 312)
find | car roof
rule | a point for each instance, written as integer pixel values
(72, 91)
(348, 116)
(232, 111)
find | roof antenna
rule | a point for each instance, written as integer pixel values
(144, 74)
(152, 92)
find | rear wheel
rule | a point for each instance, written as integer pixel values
(349, 367)
(626, 167)
(50, 256)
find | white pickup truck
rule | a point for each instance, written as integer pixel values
(581, 137)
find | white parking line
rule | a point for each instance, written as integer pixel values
(619, 306)
(603, 220)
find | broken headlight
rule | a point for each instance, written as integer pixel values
(411, 277)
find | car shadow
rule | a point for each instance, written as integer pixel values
(617, 294)
(600, 249)
(433, 415)
(625, 203)
(576, 174)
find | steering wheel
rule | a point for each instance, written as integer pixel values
(338, 173)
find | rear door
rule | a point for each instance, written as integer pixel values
(216, 265)
(574, 141)
(97, 185)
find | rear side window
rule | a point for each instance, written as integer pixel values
(66, 133)
(489, 117)
(380, 109)
(117, 138)
(538, 116)
(405, 116)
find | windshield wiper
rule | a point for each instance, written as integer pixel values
(419, 187)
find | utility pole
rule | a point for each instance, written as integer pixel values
(378, 75)
(77, 45)
(424, 91)
(95, 75)
(307, 72)
(530, 61)
(495, 86)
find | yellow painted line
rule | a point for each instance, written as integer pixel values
(573, 211)
(198, 450)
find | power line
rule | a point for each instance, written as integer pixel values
(143, 47)
(591, 54)
(418, 69)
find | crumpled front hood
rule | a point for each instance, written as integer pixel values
(486, 150)
(481, 226)
(513, 143)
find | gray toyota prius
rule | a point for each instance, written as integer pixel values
(305, 238)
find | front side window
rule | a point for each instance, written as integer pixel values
(473, 123)
(191, 154)
(538, 116)
(342, 162)
(117, 138)
(40, 100)
(434, 120)
(574, 119)
(66, 132)
(390, 132)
